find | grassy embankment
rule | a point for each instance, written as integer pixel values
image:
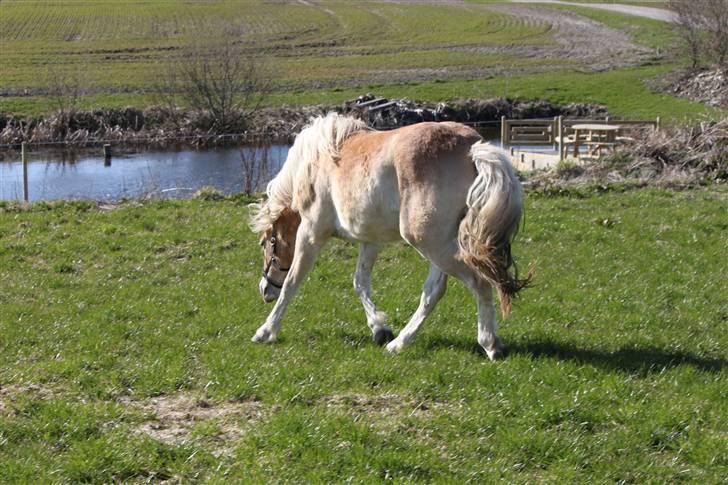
(320, 55)
(617, 370)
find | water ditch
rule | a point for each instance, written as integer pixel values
(62, 174)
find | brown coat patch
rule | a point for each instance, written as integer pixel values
(284, 229)
(425, 144)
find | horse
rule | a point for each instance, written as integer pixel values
(437, 186)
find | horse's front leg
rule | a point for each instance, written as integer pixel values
(376, 319)
(308, 245)
(432, 291)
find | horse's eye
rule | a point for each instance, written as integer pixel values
(272, 239)
(262, 243)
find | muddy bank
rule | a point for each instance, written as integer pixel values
(160, 127)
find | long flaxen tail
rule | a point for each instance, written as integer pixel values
(495, 206)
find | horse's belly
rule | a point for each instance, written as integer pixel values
(369, 211)
(376, 226)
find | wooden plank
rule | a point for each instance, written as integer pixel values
(370, 102)
(382, 106)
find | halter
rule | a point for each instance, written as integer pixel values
(274, 261)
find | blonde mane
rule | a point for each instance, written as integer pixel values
(320, 141)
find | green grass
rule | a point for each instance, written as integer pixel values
(126, 51)
(616, 373)
(623, 91)
(323, 54)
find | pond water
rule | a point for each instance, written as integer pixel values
(173, 174)
(61, 174)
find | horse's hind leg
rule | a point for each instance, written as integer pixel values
(487, 321)
(376, 320)
(432, 291)
(448, 261)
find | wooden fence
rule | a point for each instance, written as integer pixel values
(559, 131)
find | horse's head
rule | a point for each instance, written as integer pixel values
(278, 243)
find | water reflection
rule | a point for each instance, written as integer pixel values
(64, 174)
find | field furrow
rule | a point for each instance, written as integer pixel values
(313, 44)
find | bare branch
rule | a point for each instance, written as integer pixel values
(221, 80)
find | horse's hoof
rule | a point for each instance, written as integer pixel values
(394, 347)
(498, 351)
(262, 336)
(382, 336)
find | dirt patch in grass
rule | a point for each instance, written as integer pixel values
(183, 418)
(385, 408)
(188, 418)
(381, 405)
(12, 393)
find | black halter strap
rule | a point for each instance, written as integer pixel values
(274, 261)
(270, 281)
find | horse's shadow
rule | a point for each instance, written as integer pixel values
(632, 359)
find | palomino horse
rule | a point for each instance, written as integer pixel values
(435, 185)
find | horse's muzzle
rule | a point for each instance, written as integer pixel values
(267, 291)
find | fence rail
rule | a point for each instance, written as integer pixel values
(558, 131)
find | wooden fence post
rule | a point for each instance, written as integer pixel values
(24, 158)
(658, 122)
(504, 136)
(561, 138)
(107, 155)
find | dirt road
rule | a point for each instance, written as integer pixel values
(582, 41)
(661, 14)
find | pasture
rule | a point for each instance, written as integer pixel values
(125, 351)
(329, 51)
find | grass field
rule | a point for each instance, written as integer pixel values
(125, 353)
(446, 50)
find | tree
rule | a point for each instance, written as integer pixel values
(64, 88)
(689, 23)
(703, 25)
(219, 80)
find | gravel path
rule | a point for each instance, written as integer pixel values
(648, 12)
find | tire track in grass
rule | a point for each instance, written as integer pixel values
(576, 38)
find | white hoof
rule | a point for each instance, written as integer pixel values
(395, 346)
(263, 335)
(496, 351)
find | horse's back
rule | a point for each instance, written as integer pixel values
(426, 150)
(403, 182)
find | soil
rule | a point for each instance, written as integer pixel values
(173, 419)
(12, 393)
